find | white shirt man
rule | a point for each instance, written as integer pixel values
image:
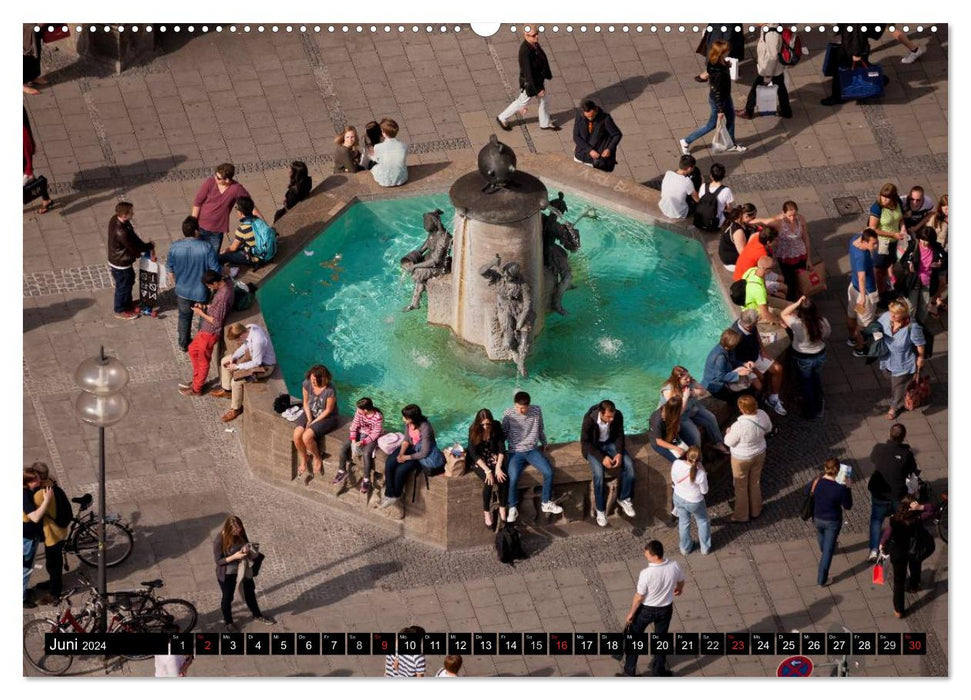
(653, 602)
(260, 362)
(677, 188)
(391, 157)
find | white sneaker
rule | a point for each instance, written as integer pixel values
(512, 515)
(736, 148)
(913, 55)
(850, 343)
(777, 406)
(685, 150)
(873, 555)
(627, 506)
(601, 518)
(550, 507)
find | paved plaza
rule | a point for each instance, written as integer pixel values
(151, 135)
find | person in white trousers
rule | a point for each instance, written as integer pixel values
(534, 71)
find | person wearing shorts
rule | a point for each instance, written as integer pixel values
(861, 295)
(319, 418)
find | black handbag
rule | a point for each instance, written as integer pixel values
(809, 505)
(35, 188)
(617, 656)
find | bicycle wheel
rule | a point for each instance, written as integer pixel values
(942, 523)
(177, 615)
(137, 625)
(118, 543)
(36, 654)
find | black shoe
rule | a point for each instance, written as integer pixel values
(830, 101)
(554, 127)
(503, 125)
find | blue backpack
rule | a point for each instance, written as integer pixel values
(265, 240)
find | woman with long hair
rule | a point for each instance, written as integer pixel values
(719, 99)
(735, 234)
(235, 557)
(887, 219)
(693, 414)
(746, 438)
(486, 453)
(319, 418)
(938, 222)
(906, 343)
(830, 499)
(921, 266)
(347, 157)
(903, 527)
(792, 249)
(366, 427)
(690, 483)
(417, 450)
(809, 333)
(298, 190)
(665, 429)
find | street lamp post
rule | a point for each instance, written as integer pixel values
(101, 403)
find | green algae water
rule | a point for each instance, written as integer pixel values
(645, 300)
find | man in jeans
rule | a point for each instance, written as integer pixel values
(862, 296)
(602, 444)
(187, 260)
(253, 358)
(523, 427)
(213, 316)
(654, 602)
(124, 249)
(893, 461)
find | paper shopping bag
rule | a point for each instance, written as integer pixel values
(812, 282)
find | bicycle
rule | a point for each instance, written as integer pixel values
(942, 517)
(168, 615)
(82, 538)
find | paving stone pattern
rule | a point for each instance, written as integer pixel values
(153, 133)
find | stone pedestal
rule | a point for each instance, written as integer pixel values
(119, 49)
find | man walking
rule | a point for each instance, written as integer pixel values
(253, 358)
(187, 260)
(596, 137)
(893, 461)
(534, 71)
(653, 602)
(200, 349)
(523, 427)
(602, 444)
(124, 249)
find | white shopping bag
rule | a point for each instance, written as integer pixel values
(766, 99)
(732, 68)
(721, 141)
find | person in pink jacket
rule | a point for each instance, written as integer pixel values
(366, 427)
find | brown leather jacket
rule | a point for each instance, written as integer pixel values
(124, 245)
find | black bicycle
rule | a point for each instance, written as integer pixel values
(942, 517)
(82, 539)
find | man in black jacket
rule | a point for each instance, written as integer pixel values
(893, 461)
(534, 71)
(596, 137)
(124, 248)
(602, 444)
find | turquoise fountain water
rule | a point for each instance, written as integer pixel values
(645, 300)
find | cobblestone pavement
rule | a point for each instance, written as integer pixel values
(151, 134)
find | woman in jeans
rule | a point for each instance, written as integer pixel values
(830, 499)
(746, 438)
(486, 453)
(693, 415)
(809, 333)
(665, 433)
(366, 427)
(235, 557)
(418, 449)
(905, 340)
(903, 527)
(319, 418)
(792, 249)
(719, 99)
(690, 484)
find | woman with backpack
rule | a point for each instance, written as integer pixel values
(905, 341)
(719, 99)
(417, 450)
(908, 543)
(487, 455)
(690, 484)
(830, 499)
(366, 427)
(735, 235)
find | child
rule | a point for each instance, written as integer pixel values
(366, 428)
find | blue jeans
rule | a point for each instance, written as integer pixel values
(713, 120)
(878, 511)
(212, 238)
(518, 461)
(185, 322)
(686, 509)
(697, 416)
(124, 282)
(396, 472)
(811, 383)
(235, 257)
(626, 476)
(826, 533)
(661, 617)
(30, 551)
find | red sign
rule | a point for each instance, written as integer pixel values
(795, 667)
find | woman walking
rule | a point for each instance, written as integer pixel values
(809, 333)
(905, 341)
(237, 560)
(792, 248)
(319, 418)
(830, 498)
(719, 99)
(487, 454)
(690, 484)
(746, 439)
(902, 529)
(418, 449)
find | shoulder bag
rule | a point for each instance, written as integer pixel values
(809, 505)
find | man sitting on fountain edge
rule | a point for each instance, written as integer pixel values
(523, 427)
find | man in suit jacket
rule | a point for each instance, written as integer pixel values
(534, 71)
(596, 137)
